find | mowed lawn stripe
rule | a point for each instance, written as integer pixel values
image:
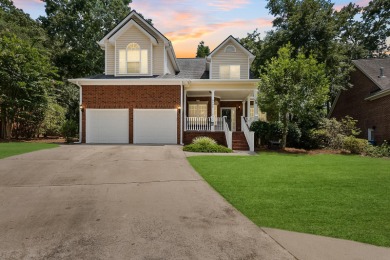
(332, 195)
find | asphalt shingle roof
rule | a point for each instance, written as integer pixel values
(371, 67)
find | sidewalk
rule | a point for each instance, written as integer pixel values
(312, 247)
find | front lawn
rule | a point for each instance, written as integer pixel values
(332, 195)
(10, 149)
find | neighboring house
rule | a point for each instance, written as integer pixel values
(368, 101)
(147, 95)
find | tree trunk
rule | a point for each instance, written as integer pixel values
(285, 130)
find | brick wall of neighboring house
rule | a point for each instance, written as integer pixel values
(375, 113)
(217, 136)
(157, 97)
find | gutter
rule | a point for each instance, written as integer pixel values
(378, 95)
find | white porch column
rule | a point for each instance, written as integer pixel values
(212, 110)
(256, 111)
(243, 108)
(248, 105)
(184, 108)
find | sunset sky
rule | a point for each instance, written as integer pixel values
(187, 22)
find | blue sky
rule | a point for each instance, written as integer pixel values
(187, 22)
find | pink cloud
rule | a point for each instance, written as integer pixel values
(22, 4)
(226, 5)
(189, 33)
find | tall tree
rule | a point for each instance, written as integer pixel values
(25, 84)
(255, 45)
(311, 26)
(202, 50)
(26, 73)
(376, 21)
(293, 85)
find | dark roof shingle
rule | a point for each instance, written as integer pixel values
(371, 67)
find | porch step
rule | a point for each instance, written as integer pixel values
(239, 141)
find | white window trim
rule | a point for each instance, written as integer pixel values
(198, 102)
(230, 45)
(230, 68)
(140, 61)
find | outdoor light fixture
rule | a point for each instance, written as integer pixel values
(82, 108)
(179, 107)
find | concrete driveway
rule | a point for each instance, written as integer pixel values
(119, 202)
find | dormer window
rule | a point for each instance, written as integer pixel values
(133, 60)
(230, 49)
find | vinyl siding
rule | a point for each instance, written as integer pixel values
(133, 34)
(171, 70)
(237, 58)
(110, 62)
(158, 58)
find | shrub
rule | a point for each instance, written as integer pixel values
(54, 120)
(204, 140)
(206, 148)
(331, 133)
(261, 129)
(293, 135)
(275, 132)
(378, 151)
(69, 130)
(354, 145)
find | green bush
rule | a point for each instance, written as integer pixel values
(69, 130)
(206, 148)
(204, 140)
(261, 129)
(275, 132)
(293, 135)
(378, 151)
(354, 145)
(54, 120)
(331, 132)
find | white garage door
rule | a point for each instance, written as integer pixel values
(107, 126)
(155, 126)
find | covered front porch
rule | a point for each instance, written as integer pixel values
(226, 108)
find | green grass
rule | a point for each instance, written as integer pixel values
(10, 149)
(331, 195)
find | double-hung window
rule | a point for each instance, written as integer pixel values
(229, 71)
(133, 60)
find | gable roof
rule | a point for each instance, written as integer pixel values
(251, 56)
(147, 28)
(371, 68)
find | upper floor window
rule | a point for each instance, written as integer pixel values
(133, 60)
(229, 71)
(230, 48)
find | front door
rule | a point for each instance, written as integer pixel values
(230, 113)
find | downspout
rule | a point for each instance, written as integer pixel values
(181, 112)
(80, 115)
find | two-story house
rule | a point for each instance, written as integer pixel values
(147, 95)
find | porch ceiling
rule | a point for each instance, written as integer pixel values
(223, 94)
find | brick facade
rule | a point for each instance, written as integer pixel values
(131, 97)
(370, 114)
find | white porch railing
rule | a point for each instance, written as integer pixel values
(249, 120)
(203, 124)
(249, 135)
(228, 133)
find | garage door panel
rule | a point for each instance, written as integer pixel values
(107, 126)
(155, 126)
